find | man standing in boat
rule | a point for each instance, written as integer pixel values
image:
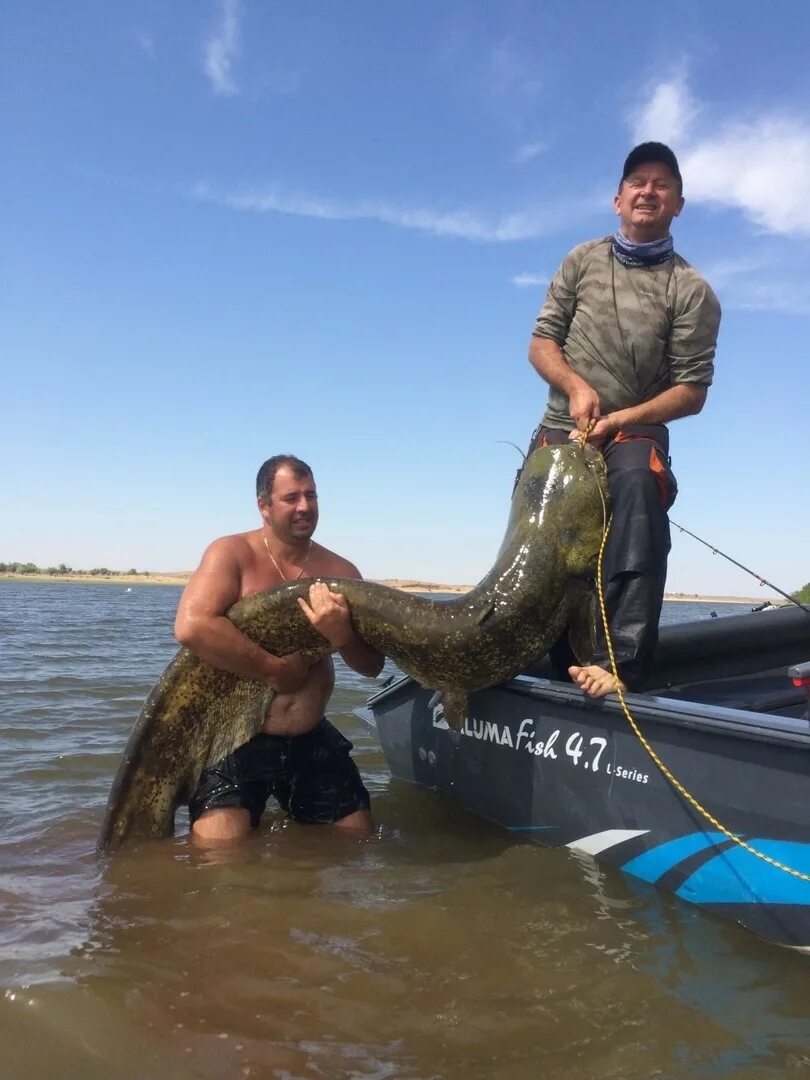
(626, 341)
(298, 757)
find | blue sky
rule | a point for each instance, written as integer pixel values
(236, 228)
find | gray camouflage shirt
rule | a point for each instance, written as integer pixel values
(630, 332)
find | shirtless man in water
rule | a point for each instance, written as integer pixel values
(298, 757)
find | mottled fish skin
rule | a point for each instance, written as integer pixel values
(541, 580)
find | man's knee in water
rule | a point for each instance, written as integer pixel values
(359, 823)
(226, 824)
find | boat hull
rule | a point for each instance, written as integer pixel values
(543, 761)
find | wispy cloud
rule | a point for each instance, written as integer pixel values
(762, 168)
(789, 297)
(497, 71)
(725, 271)
(757, 164)
(466, 224)
(512, 73)
(668, 115)
(528, 152)
(145, 43)
(222, 49)
(752, 283)
(525, 280)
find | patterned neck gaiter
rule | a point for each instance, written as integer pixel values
(630, 254)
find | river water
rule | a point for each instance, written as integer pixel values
(441, 947)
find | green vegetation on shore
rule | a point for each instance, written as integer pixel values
(66, 571)
(803, 594)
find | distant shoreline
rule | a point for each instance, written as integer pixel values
(103, 579)
(180, 578)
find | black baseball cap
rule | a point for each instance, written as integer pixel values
(651, 151)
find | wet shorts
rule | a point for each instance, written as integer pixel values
(311, 776)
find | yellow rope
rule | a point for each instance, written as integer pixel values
(582, 436)
(672, 779)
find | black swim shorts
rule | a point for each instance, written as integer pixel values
(311, 776)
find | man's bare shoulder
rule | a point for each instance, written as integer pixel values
(237, 549)
(219, 580)
(323, 561)
(233, 554)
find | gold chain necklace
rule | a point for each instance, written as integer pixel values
(281, 572)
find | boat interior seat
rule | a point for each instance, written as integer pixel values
(766, 692)
(737, 661)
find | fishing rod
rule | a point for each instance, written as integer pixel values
(753, 573)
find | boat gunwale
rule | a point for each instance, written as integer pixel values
(717, 719)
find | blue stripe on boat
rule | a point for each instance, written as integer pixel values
(653, 864)
(738, 877)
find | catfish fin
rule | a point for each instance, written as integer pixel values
(583, 624)
(455, 704)
(244, 716)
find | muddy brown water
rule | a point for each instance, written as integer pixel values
(440, 947)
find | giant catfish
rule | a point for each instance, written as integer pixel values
(540, 586)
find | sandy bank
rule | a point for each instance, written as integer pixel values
(695, 598)
(408, 585)
(181, 577)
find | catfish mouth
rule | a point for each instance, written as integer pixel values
(548, 466)
(595, 462)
